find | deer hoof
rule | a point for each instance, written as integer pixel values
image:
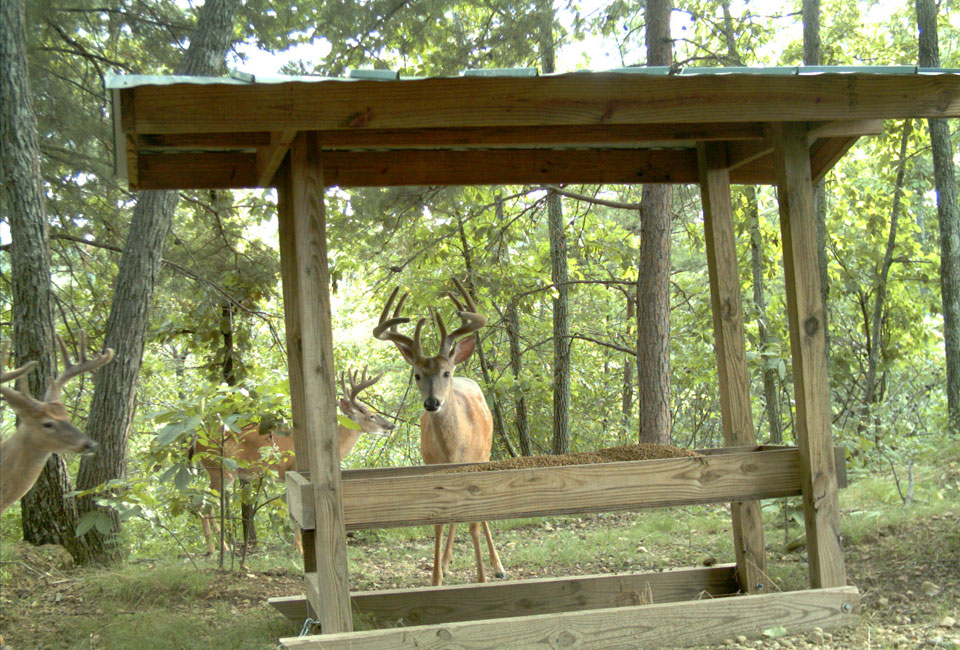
(501, 574)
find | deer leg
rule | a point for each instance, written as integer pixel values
(298, 539)
(437, 567)
(448, 550)
(475, 536)
(494, 556)
(206, 525)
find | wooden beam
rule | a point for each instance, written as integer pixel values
(644, 626)
(730, 348)
(208, 170)
(511, 494)
(155, 143)
(808, 348)
(316, 349)
(824, 154)
(270, 157)
(570, 99)
(290, 283)
(428, 605)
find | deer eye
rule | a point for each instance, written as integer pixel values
(417, 377)
(446, 374)
(48, 425)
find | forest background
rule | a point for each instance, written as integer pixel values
(213, 346)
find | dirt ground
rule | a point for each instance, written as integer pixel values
(908, 577)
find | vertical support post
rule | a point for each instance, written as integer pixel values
(291, 317)
(808, 349)
(302, 208)
(730, 348)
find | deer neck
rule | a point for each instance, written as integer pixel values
(346, 440)
(450, 427)
(20, 465)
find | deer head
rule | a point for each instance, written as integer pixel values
(46, 425)
(434, 375)
(369, 420)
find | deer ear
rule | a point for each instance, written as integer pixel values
(21, 403)
(407, 353)
(463, 349)
(345, 406)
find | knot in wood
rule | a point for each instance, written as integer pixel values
(811, 326)
(444, 634)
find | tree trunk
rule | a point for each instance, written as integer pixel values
(46, 516)
(512, 323)
(626, 402)
(653, 283)
(948, 215)
(771, 405)
(558, 271)
(112, 409)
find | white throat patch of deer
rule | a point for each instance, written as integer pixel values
(44, 426)
(456, 425)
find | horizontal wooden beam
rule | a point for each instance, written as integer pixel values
(644, 626)
(511, 494)
(569, 99)
(506, 599)
(208, 170)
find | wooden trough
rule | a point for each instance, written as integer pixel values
(302, 136)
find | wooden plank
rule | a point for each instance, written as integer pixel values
(644, 626)
(316, 350)
(208, 170)
(295, 608)
(826, 153)
(155, 143)
(506, 599)
(300, 500)
(807, 344)
(270, 157)
(846, 129)
(511, 494)
(570, 99)
(294, 336)
(731, 354)
(513, 166)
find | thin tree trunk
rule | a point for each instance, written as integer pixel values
(626, 402)
(653, 283)
(558, 270)
(769, 373)
(948, 215)
(512, 323)
(112, 409)
(46, 516)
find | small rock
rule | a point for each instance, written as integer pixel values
(883, 601)
(929, 588)
(815, 637)
(948, 621)
(741, 639)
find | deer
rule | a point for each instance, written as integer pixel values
(456, 425)
(44, 426)
(248, 444)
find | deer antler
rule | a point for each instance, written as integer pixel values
(471, 320)
(386, 329)
(356, 387)
(16, 372)
(71, 370)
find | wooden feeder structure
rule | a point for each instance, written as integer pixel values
(714, 127)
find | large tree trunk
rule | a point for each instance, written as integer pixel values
(653, 283)
(626, 397)
(558, 271)
(112, 409)
(47, 517)
(949, 217)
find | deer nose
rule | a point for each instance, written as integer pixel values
(431, 404)
(89, 447)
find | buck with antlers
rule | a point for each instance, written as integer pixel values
(456, 425)
(44, 427)
(248, 444)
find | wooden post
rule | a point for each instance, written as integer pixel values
(730, 347)
(291, 317)
(310, 347)
(807, 344)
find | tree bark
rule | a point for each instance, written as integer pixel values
(112, 409)
(626, 401)
(653, 283)
(512, 323)
(558, 271)
(46, 516)
(948, 214)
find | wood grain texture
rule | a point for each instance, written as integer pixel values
(644, 626)
(807, 344)
(571, 99)
(730, 348)
(316, 346)
(506, 599)
(300, 500)
(510, 494)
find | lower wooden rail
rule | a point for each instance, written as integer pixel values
(506, 599)
(644, 626)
